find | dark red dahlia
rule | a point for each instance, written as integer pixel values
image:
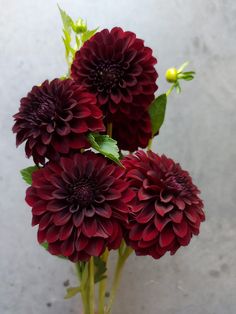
(119, 69)
(55, 118)
(166, 211)
(79, 205)
(132, 133)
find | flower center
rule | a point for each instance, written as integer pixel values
(81, 194)
(41, 112)
(106, 76)
(177, 182)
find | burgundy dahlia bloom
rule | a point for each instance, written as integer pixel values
(55, 118)
(117, 67)
(132, 133)
(79, 205)
(166, 211)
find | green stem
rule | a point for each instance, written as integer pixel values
(109, 129)
(119, 267)
(170, 90)
(83, 290)
(91, 286)
(102, 287)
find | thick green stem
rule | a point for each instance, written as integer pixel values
(91, 287)
(170, 90)
(83, 290)
(119, 267)
(102, 287)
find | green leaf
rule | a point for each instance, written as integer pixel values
(100, 269)
(27, 174)
(88, 34)
(66, 20)
(71, 292)
(183, 66)
(106, 145)
(157, 112)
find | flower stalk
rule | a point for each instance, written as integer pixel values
(122, 257)
(91, 286)
(102, 287)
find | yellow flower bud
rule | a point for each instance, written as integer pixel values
(171, 75)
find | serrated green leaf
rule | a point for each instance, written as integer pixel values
(157, 113)
(66, 20)
(67, 42)
(88, 34)
(27, 174)
(71, 292)
(106, 145)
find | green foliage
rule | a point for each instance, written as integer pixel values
(71, 292)
(183, 66)
(27, 174)
(180, 75)
(75, 33)
(106, 145)
(157, 113)
(100, 269)
(88, 34)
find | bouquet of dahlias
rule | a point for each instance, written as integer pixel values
(92, 189)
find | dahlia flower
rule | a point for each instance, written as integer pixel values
(132, 133)
(166, 211)
(117, 67)
(54, 119)
(79, 205)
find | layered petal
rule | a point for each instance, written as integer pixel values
(166, 211)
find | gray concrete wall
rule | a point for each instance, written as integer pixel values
(199, 132)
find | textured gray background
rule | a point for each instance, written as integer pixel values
(199, 132)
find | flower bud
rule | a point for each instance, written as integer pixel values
(171, 75)
(80, 26)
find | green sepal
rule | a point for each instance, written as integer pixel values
(157, 113)
(178, 87)
(26, 174)
(183, 66)
(105, 145)
(71, 292)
